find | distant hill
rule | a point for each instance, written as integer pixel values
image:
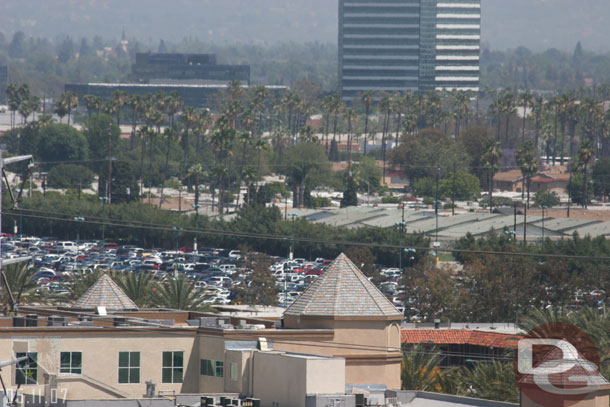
(538, 24)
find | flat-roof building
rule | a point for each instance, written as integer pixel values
(186, 68)
(342, 332)
(408, 45)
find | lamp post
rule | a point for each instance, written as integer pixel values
(177, 230)
(524, 224)
(436, 202)
(401, 225)
(104, 199)
(196, 240)
(368, 192)
(291, 253)
(290, 256)
(78, 220)
(543, 208)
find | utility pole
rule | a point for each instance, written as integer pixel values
(524, 224)
(109, 180)
(436, 202)
(569, 194)
(196, 207)
(103, 199)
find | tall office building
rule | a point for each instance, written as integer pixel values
(408, 45)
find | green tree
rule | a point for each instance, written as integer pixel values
(546, 198)
(259, 286)
(460, 186)
(299, 164)
(350, 195)
(97, 129)
(492, 156)
(61, 142)
(585, 154)
(576, 189)
(493, 380)
(601, 178)
(70, 176)
(528, 164)
(124, 187)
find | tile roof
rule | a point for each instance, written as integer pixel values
(105, 293)
(342, 291)
(459, 337)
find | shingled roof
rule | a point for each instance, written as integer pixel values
(343, 291)
(105, 293)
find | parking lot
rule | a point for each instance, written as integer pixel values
(216, 271)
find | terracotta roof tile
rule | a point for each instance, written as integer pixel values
(459, 337)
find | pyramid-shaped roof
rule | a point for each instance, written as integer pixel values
(105, 293)
(343, 291)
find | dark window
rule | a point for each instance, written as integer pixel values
(173, 367)
(129, 367)
(27, 370)
(71, 362)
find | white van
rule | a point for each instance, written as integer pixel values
(68, 246)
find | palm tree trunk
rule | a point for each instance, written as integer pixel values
(366, 128)
(584, 187)
(491, 191)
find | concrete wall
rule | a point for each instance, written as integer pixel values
(285, 380)
(100, 355)
(371, 348)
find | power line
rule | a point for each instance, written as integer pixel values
(168, 228)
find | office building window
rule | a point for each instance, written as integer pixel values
(71, 362)
(220, 369)
(173, 367)
(129, 367)
(213, 368)
(27, 370)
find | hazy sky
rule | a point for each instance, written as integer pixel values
(538, 24)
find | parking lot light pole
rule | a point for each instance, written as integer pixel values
(291, 253)
(78, 220)
(401, 226)
(196, 240)
(104, 199)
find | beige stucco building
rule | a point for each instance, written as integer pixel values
(342, 331)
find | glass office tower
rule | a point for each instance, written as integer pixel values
(378, 46)
(408, 45)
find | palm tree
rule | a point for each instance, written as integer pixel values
(180, 294)
(538, 110)
(119, 98)
(385, 106)
(260, 146)
(367, 101)
(14, 100)
(139, 287)
(420, 369)
(245, 139)
(20, 287)
(525, 100)
(92, 103)
(70, 102)
(493, 380)
(492, 157)
(137, 105)
(528, 164)
(585, 154)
